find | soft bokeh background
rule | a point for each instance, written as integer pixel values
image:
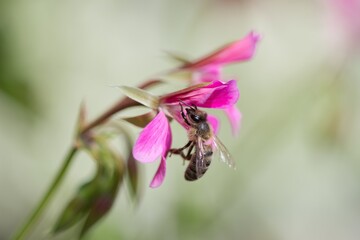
(298, 169)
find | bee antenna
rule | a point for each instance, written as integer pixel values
(182, 102)
(192, 105)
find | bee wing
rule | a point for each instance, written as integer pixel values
(200, 161)
(225, 156)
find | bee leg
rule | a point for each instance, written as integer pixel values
(179, 151)
(189, 154)
(187, 157)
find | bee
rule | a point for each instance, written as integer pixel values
(202, 138)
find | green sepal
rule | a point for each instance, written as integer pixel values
(141, 96)
(141, 120)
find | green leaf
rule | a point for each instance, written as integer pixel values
(110, 183)
(141, 120)
(77, 208)
(81, 118)
(133, 176)
(94, 199)
(141, 96)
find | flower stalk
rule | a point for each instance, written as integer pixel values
(29, 225)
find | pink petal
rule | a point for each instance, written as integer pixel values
(160, 174)
(214, 123)
(237, 51)
(153, 139)
(210, 74)
(214, 95)
(234, 116)
(168, 141)
(174, 111)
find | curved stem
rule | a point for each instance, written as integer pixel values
(25, 230)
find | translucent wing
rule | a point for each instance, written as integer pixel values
(200, 158)
(225, 156)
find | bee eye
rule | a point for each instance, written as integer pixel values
(195, 118)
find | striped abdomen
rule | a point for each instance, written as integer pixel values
(191, 174)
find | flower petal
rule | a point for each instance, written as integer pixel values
(174, 111)
(152, 141)
(214, 95)
(240, 50)
(168, 141)
(214, 123)
(210, 74)
(160, 174)
(234, 116)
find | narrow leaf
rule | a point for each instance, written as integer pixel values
(133, 176)
(107, 192)
(81, 122)
(185, 90)
(95, 198)
(141, 120)
(77, 208)
(141, 96)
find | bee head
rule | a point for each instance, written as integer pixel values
(195, 116)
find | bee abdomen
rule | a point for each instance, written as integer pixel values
(191, 174)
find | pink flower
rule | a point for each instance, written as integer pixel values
(154, 140)
(237, 51)
(208, 69)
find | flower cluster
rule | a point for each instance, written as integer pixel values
(207, 90)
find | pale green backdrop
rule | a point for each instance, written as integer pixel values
(297, 155)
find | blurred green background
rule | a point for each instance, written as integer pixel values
(298, 169)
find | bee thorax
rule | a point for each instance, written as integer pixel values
(203, 130)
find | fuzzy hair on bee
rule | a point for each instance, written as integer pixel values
(202, 139)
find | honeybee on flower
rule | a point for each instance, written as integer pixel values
(207, 90)
(203, 141)
(155, 139)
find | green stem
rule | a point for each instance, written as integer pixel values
(25, 230)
